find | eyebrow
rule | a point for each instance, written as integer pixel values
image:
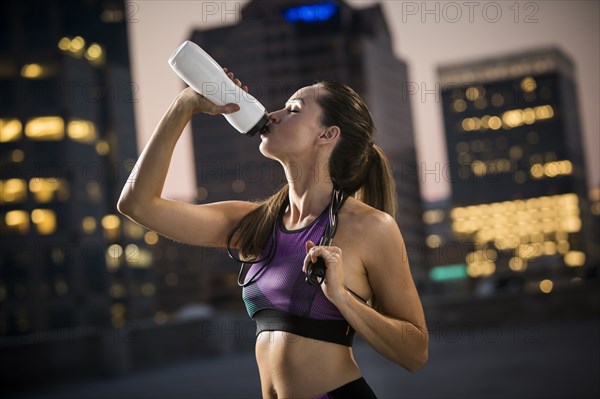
(295, 100)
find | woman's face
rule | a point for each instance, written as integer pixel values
(294, 131)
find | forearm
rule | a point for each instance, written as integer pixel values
(398, 340)
(147, 178)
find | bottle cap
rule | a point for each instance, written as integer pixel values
(260, 125)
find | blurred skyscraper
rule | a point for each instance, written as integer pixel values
(517, 170)
(276, 48)
(66, 148)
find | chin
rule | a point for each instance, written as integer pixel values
(263, 148)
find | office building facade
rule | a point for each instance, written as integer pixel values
(517, 168)
(67, 145)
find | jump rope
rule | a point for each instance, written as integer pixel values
(315, 272)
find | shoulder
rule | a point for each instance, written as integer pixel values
(368, 222)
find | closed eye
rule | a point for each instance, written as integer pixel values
(290, 110)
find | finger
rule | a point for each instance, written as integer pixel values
(329, 254)
(309, 245)
(333, 249)
(225, 70)
(228, 108)
(305, 264)
(245, 88)
(314, 253)
(237, 82)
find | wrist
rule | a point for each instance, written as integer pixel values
(182, 107)
(342, 298)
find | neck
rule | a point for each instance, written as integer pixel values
(310, 190)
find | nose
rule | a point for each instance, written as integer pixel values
(273, 117)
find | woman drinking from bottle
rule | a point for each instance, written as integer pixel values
(345, 193)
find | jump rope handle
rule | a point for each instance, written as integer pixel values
(315, 272)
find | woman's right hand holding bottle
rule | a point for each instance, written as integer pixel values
(193, 103)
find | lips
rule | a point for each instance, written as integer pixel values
(266, 130)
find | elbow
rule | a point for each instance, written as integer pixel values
(124, 206)
(418, 362)
(418, 357)
(127, 206)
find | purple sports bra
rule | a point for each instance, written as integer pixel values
(281, 285)
(278, 298)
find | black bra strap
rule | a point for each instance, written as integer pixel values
(336, 331)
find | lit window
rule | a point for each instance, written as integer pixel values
(94, 192)
(151, 238)
(515, 152)
(81, 130)
(495, 123)
(102, 147)
(44, 220)
(45, 189)
(133, 230)
(114, 254)
(45, 128)
(238, 186)
(512, 118)
(472, 93)
(10, 130)
(433, 241)
(137, 257)
(112, 15)
(574, 258)
(497, 100)
(118, 310)
(17, 221)
(35, 71)
(201, 193)
(546, 286)
(95, 54)
(12, 191)
(433, 216)
(459, 105)
(64, 43)
(117, 290)
(480, 103)
(111, 225)
(543, 112)
(57, 255)
(517, 264)
(528, 84)
(528, 116)
(16, 156)
(88, 224)
(76, 45)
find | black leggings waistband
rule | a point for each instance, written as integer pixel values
(357, 389)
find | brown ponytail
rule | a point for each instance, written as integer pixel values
(357, 166)
(379, 188)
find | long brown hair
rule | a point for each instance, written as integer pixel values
(357, 166)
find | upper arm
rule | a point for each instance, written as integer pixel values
(389, 273)
(204, 225)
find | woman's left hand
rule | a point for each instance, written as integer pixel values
(333, 286)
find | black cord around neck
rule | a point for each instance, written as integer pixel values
(337, 200)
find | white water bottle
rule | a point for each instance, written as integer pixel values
(203, 74)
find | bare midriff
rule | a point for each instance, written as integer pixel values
(292, 366)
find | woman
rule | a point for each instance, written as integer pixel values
(323, 140)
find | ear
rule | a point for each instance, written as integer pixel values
(330, 134)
